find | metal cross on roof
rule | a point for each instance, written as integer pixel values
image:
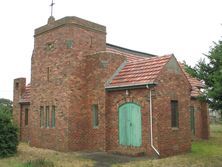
(52, 4)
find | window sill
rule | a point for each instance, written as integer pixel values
(175, 128)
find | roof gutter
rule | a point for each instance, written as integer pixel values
(131, 86)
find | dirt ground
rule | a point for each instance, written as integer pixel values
(103, 159)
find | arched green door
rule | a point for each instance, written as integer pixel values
(130, 125)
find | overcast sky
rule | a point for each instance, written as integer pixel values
(183, 27)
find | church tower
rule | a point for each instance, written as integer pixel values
(58, 78)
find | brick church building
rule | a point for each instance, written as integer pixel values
(86, 94)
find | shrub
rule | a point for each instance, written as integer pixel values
(8, 135)
(5, 105)
(39, 163)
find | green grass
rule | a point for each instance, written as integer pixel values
(41, 162)
(34, 157)
(212, 147)
(206, 153)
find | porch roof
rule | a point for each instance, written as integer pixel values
(139, 72)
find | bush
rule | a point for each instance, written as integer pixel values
(39, 163)
(6, 105)
(8, 135)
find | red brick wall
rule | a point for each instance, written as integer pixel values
(99, 68)
(169, 141)
(172, 85)
(201, 119)
(24, 129)
(205, 119)
(18, 90)
(65, 86)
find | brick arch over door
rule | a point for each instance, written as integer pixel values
(130, 99)
(130, 130)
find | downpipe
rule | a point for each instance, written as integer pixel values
(151, 121)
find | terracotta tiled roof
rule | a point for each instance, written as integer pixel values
(128, 56)
(195, 92)
(26, 95)
(131, 55)
(195, 83)
(139, 72)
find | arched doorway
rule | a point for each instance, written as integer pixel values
(130, 133)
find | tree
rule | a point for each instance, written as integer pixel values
(5, 105)
(209, 70)
(8, 133)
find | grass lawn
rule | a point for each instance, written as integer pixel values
(203, 154)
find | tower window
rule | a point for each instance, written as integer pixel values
(16, 85)
(50, 46)
(91, 41)
(41, 116)
(53, 116)
(95, 115)
(47, 116)
(48, 70)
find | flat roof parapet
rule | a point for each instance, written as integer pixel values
(70, 20)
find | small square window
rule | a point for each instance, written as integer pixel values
(50, 46)
(69, 44)
(104, 64)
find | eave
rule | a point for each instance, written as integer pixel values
(130, 86)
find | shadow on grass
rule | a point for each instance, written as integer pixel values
(103, 159)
